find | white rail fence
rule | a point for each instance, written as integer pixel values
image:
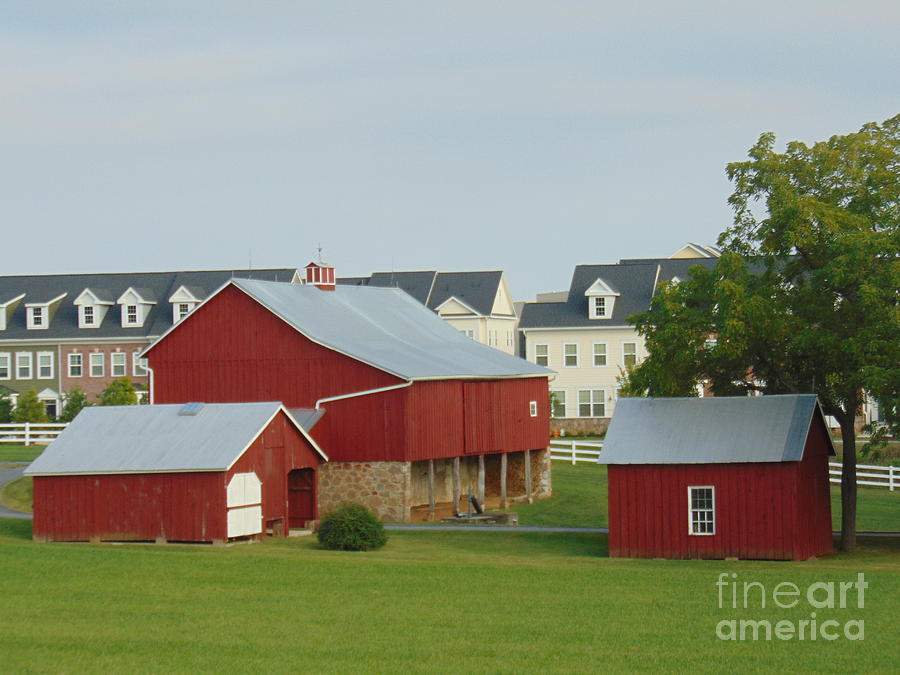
(866, 474)
(27, 433)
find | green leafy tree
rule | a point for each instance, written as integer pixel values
(6, 408)
(805, 296)
(29, 408)
(76, 399)
(119, 392)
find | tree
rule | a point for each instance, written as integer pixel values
(29, 408)
(6, 408)
(119, 392)
(805, 296)
(76, 399)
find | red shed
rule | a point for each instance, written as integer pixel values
(742, 477)
(194, 472)
(418, 416)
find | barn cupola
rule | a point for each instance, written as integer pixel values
(321, 275)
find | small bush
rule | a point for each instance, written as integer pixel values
(351, 528)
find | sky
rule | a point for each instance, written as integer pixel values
(523, 136)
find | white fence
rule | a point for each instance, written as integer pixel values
(26, 433)
(576, 451)
(867, 474)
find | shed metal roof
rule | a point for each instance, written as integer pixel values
(156, 439)
(710, 430)
(386, 328)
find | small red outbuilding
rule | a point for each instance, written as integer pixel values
(742, 477)
(194, 473)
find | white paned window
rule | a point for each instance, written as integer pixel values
(131, 315)
(97, 360)
(140, 365)
(599, 308)
(118, 364)
(542, 355)
(570, 355)
(599, 353)
(183, 310)
(23, 366)
(37, 317)
(532, 409)
(702, 510)
(45, 365)
(509, 338)
(558, 403)
(88, 316)
(629, 354)
(591, 403)
(5, 366)
(76, 365)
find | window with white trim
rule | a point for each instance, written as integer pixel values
(591, 403)
(599, 307)
(701, 510)
(570, 355)
(76, 365)
(139, 365)
(131, 316)
(509, 338)
(118, 364)
(182, 309)
(542, 355)
(557, 402)
(88, 316)
(23, 365)
(97, 361)
(5, 366)
(37, 317)
(599, 353)
(629, 354)
(532, 409)
(45, 365)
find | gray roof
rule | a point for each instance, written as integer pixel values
(306, 417)
(634, 283)
(417, 284)
(710, 430)
(153, 439)
(159, 285)
(386, 328)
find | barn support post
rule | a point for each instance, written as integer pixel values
(528, 476)
(431, 504)
(503, 502)
(481, 480)
(457, 487)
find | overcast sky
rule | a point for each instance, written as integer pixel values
(523, 136)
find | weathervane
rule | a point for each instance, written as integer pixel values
(320, 252)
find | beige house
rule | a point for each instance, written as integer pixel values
(585, 337)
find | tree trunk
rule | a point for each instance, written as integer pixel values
(848, 481)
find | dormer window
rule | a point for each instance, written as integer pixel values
(92, 306)
(184, 300)
(600, 307)
(37, 317)
(131, 315)
(88, 316)
(601, 300)
(136, 304)
(182, 309)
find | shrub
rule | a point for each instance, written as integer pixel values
(75, 401)
(119, 392)
(351, 528)
(29, 408)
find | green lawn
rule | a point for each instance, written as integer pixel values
(19, 453)
(18, 494)
(498, 602)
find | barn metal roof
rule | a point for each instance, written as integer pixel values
(387, 329)
(710, 430)
(155, 439)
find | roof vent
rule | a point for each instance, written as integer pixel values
(191, 409)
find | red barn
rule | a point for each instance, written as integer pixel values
(418, 415)
(741, 477)
(195, 472)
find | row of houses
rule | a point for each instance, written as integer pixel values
(62, 331)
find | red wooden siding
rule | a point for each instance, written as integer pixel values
(234, 350)
(769, 511)
(172, 506)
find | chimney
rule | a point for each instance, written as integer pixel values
(320, 275)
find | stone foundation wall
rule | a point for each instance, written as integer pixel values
(577, 426)
(384, 487)
(541, 474)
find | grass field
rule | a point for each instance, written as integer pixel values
(499, 602)
(19, 453)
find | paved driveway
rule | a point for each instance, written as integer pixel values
(8, 476)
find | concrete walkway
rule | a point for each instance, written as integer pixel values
(8, 475)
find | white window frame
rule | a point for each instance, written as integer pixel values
(181, 309)
(592, 402)
(566, 355)
(564, 403)
(39, 366)
(126, 321)
(83, 316)
(138, 365)
(624, 354)
(546, 356)
(123, 366)
(598, 303)
(102, 364)
(36, 316)
(605, 354)
(691, 511)
(25, 357)
(7, 358)
(532, 409)
(79, 365)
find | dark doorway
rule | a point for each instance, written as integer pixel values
(301, 497)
